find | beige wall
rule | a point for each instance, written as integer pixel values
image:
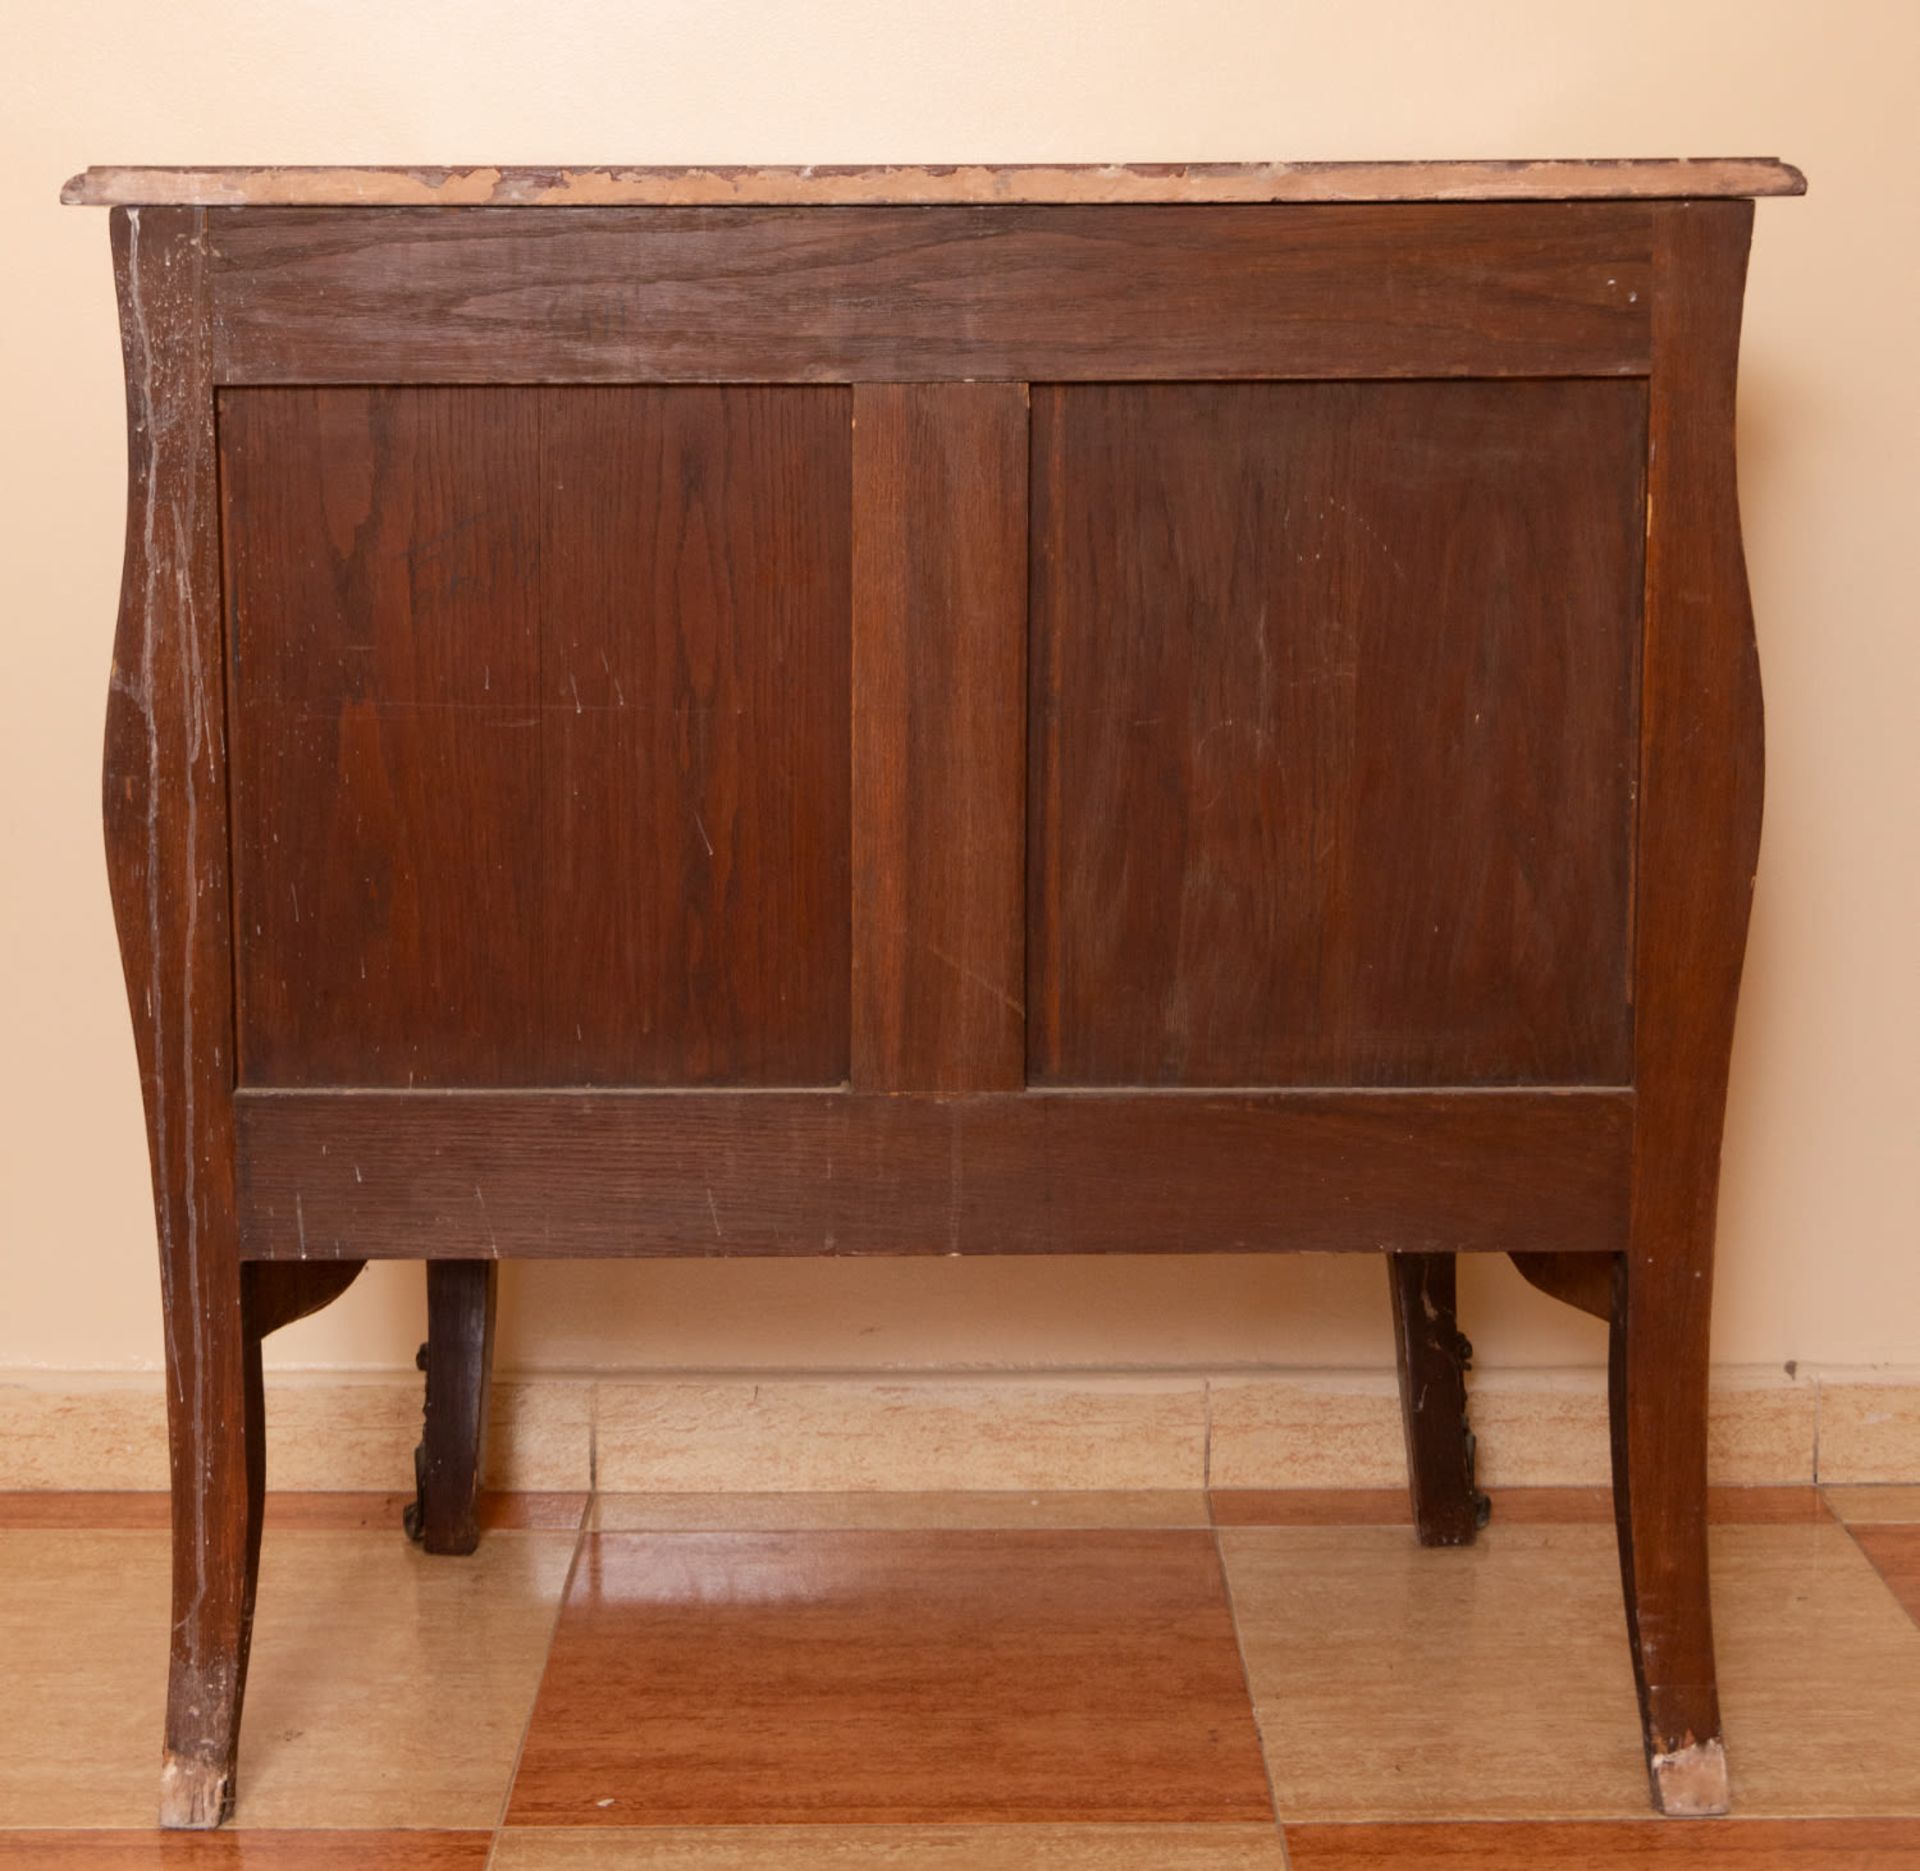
(1820, 1222)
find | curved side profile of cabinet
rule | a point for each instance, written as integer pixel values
(166, 835)
(1701, 762)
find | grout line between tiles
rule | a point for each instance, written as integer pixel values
(1246, 1678)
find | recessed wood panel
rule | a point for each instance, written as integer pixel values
(1333, 719)
(539, 705)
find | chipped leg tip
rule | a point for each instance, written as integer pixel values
(195, 1795)
(1691, 1782)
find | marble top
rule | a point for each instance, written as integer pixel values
(593, 186)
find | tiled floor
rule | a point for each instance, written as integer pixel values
(977, 1682)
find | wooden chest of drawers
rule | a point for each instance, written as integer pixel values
(934, 712)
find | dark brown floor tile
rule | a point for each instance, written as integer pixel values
(1310, 1507)
(1741, 1845)
(1895, 1552)
(925, 1677)
(244, 1851)
(97, 1513)
(344, 1511)
(374, 1513)
(1518, 1507)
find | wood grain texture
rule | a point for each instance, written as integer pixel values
(540, 721)
(1333, 713)
(939, 737)
(353, 1175)
(1698, 832)
(1209, 1847)
(909, 294)
(1745, 1845)
(875, 1678)
(584, 185)
(245, 1851)
(165, 796)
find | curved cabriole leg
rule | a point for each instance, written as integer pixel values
(458, 1354)
(1658, 1404)
(1433, 1358)
(165, 806)
(1698, 835)
(166, 833)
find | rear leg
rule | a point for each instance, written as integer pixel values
(1433, 1358)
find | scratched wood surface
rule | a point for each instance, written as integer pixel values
(555, 1174)
(489, 295)
(540, 725)
(584, 185)
(165, 796)
(1334, 704)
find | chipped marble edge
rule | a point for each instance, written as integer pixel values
(1550, 179)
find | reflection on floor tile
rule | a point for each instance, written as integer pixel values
(895, 1848)
(1869, 1506)
(387, 1688)
(1393, 1682)
(244, 1851)
(1737, 1845)
(707, 1513)
(906, 1678)
(1895, 1552)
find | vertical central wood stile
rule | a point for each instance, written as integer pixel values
(939, 736)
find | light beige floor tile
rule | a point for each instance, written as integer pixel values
(387, 1688)
(83, 1635)
(1819, 1676)
(780, 1512)
(711, 1437)
(896, 1848)
(1397, 1683)
(1394, 1681)
(1871, 1506)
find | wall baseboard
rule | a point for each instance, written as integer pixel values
(727, 1432)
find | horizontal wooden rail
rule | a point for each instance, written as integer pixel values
(520, 295)
(570, 1174)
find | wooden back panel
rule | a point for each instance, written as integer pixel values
(1200, 651)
